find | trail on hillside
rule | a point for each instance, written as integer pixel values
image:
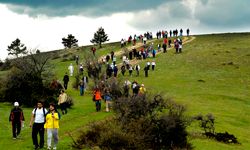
(135, 61)
(185, 41)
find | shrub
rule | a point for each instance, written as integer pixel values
(207, 123)
(140, 122)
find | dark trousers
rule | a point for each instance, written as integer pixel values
(98, 105)
(16, 128)
(65, 84)
(81, 90)
(146, 73)
(137, 72)
(153, 67)
(63, 107)
(38, 128)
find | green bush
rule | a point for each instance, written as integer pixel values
(140, 122)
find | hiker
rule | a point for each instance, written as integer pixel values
(93, 49)
(52, 125)
(188, 32)
(169, 43)
(146, 68)
(107, 58)
(159, 47)
(148, 65)
(37, 123)
(65, 80)
(124, 59)
(130, 54)
(108, 98)
(164, 45)
(134, 88)
(81, 69)
(153, 65)
(109, 71)
(71, 69)
(130, 70)
(137, 68)
(153, 53)
(114, 60)
(176, 45)
(112, 55)
(115, 69)
(122, 42)
(17, 120)
(142, 90)
(81, 87)
(85, 81)
(170, 33)
(62, 102)
(134, 41)
(97, 98)
(126, 87)
(123, 69)
(181, 31)
(180, 45)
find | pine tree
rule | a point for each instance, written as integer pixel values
(99, 37)
(70, 41)
(16, 48)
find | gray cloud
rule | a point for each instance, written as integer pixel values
(224, 13)
(169, 15)
(79, 7)
(200, 15)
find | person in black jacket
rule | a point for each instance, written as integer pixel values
(16, 118)
(65, 81)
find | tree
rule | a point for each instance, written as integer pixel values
(29, 80)
(70, 41)
(16, 48)
(99, 37)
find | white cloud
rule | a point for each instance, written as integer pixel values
(45, 33)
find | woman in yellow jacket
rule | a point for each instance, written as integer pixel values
(52, 125)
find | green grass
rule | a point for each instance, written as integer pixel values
(221, 61)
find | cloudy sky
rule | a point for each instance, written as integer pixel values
(41, 24)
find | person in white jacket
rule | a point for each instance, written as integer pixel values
(153, 65)
(71, 69)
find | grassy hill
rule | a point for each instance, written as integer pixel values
(212, 75)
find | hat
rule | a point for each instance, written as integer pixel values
(16, 104)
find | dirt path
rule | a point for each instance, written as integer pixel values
(185, 41)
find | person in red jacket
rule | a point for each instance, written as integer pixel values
(97, 98)
(16, 118)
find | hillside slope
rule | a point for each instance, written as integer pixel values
(212, 75)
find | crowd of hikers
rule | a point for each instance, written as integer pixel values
(48, 120)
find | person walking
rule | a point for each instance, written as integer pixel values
(17, 119)
(71, 69)
(65, 81)
(142, 90)
(62, 102)
(108, 98)
(126, 86)
(97, 98)
(153, 65)
(137, 68)
(37, 123)
(81, 86)
(52, 126)
(146, 68)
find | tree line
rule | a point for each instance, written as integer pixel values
(16, 48)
